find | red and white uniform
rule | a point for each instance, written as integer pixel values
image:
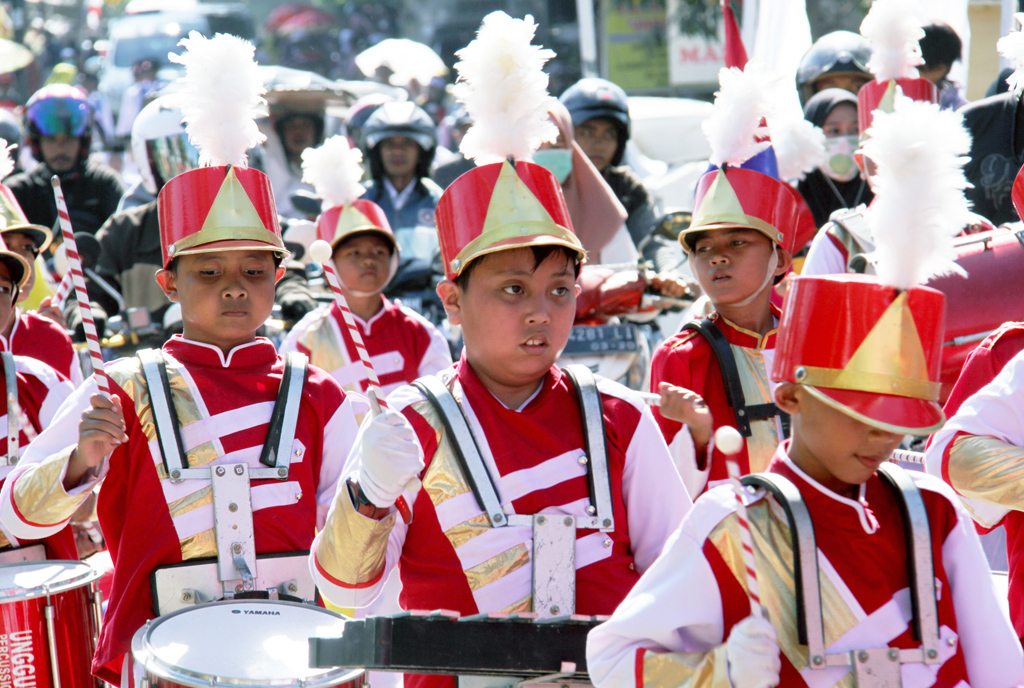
(40, 338)
(41, 391)
(687, 360)
(402, 344)
(980, 452)
(224, 403)
(834, 245)
(672, 628)
(448, 560)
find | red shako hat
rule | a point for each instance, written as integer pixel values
(215, 209)
(879, 95)
(874, 351)
(502, 206)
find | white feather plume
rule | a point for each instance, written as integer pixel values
(1011, 46)
(335, 170)
(799, 145)
(894, 27)
(736, 124)
(505, 90)
(221, 96)
(6, 158)
(919, 205)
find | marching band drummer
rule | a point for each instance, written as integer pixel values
(205, 405)
(38, 391)
(519, 446)
(859, 573)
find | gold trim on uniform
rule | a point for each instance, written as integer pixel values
(130, 377)
(764, 438)
(199, 498)
(497, 567)
(687, 669)
(988, 470)
(324, 348)
(202, 544)
(39, 493)
(523, 605)
(353, 548)
(774, 560)
(444, 479)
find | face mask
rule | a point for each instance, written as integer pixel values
(839, 162)
(557, 160)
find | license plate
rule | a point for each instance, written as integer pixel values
(601, 339)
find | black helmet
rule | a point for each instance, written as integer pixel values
(10, 129)
(592, 98)
(833, 53)
(55, 110)
(400, 119)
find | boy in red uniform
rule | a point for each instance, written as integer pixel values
(38, 392)
(867, 574)
(156, 439)
(746, 227)
(402, 344)
(511, 261)
(852, 396)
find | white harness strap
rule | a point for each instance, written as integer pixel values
(13, 426)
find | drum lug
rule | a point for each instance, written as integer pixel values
(51, 638)
(190, 596)
(96, 598)
(289, 587)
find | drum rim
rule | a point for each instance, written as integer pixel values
(142, 653)
(89, 575)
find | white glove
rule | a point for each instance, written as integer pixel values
(753, 654)
(390, 456)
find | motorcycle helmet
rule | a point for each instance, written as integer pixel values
(592, 98)
(834, 53)
(160, 146)
(56, 110)
(359, 112)
(400, 119)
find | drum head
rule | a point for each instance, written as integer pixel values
(37, 578)
(245, 643)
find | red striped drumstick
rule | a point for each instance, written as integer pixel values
(730, 442)
(321, 252)
(63, 289)
(75, 270)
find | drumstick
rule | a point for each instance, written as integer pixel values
(730, 442)
(907, 456)
(63, 289)
(321, 252)
(75, 270)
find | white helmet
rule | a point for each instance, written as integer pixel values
(160, 146)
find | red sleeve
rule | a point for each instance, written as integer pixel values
(984, 364)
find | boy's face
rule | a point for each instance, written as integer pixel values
(20, 243)
(363, 263)
(6, 295)
(835, 449)
(225, 296)
(515, 316)
(731, 264)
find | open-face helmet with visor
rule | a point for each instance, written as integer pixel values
(160, 146)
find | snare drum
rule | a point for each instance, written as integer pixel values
(49, 619)
(239, 643)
